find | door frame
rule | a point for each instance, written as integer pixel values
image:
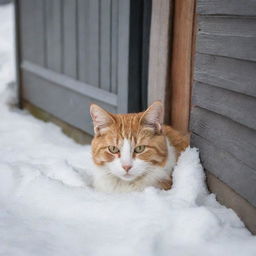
(171, 59)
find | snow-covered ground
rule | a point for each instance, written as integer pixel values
(47, 206)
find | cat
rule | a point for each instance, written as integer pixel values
(134, 151)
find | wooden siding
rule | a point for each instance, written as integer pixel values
(223, 116)
(74, 53)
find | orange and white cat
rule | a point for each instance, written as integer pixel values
(134, 151)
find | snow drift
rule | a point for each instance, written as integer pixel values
(47, 206)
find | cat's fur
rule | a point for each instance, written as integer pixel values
(152, 167)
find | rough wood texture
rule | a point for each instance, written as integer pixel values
(70, 83)
(158, 83)
(73, 107)
(114, 42)
(227, 25)
(123, 55)
(238, 107)
(70, 38)
(231, 7)
(32, 31)
(223, 118)
(230, 198)
(239, 47)
(53, 35)
(105, 47)
(227, 168)
(88, 41)
(232, 74)
(228, 135)
(182, 63)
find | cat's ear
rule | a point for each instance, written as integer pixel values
(101, 119)
(153, 117)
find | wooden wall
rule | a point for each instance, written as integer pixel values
(223, 116)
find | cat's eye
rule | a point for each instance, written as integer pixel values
(139, 149)
(113, 149)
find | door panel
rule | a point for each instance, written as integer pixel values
(74, 53)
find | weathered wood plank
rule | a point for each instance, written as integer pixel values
(230, 46)
(233, 7)
(39, 32)
(159, 52)
(71, 84)
(181, 67)
(105, 44)
(53, 35)
(236, 106)
(26, 30)
(227, 168)
(70, 38)
(226, 134)
(123, 54)
(227, 25)
(88, 36)
(32, 31)
(233, 74)
(45, 94)
(114, 44)
(147, 10)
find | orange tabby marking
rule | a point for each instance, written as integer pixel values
(132, 130)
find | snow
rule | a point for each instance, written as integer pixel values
(47, 206)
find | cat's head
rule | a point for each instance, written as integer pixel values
(129, 146)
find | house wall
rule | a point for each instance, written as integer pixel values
(223, 114)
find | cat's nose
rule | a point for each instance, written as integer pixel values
(127, 167)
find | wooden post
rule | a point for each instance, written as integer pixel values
(181, 65)
(160, 32)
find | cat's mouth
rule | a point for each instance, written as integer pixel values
(128, 177)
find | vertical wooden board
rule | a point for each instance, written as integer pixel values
(181, 67)
(105, 35)
(32, 31)
(147, 9)
(88, 41)
(54, 34)
(39, 32)
(159, 53)
(82, 23)
(114, 44)
(123, 54)
(26, 29)
(70, 38)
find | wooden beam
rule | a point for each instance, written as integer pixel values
(182, 61)
(160, 32)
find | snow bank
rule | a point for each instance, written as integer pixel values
(47, 206)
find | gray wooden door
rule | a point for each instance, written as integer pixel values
(74, 53)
